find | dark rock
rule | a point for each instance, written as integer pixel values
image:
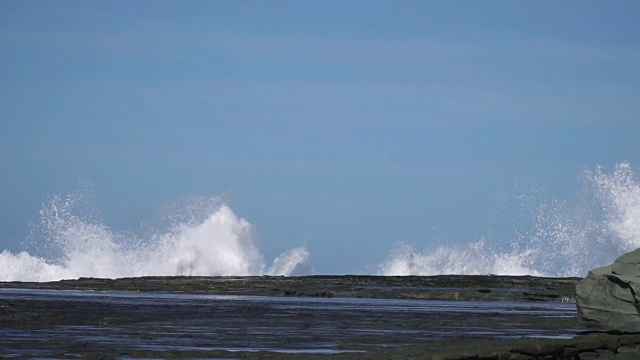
(444, 287)
(233, 320)
(609, 297)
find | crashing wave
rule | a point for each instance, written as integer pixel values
(220, 243)
(558, 239)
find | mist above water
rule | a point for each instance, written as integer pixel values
(551, 237)
(208, 240)
(546, 237)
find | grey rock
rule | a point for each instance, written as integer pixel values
(600, 354)
(631, 352)
(628, 264)
(629, 349)
(609, 297)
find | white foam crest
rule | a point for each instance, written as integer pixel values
(76, 246)
(24, 267)
(557, 239)
(471, 259)
(293, 262)
(188, 250)
(619, 195)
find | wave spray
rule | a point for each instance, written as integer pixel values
(554, 238)
(548, 237)
(216, 243)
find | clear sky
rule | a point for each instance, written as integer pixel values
(343, 126)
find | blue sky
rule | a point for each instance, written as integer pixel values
(342, 126)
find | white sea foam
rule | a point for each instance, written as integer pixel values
(471, 259)
(556, 238)
(550, 238)
(294, 262)
(76, 245)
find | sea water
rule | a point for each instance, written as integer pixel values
(556, 238)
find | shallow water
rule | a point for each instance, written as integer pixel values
(45, 323)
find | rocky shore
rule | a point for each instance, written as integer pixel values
(49, 314)
(443, 287)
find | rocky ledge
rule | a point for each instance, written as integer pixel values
(443, 287)
(584, 347)
(609, 297)
(27, 315)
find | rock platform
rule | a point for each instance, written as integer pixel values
(149, 319)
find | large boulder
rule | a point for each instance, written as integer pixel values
(609, 297)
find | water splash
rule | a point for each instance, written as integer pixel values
(470, 259)
(294, 262)
(553, 238)
(203, 236)
(619, 195)
(208, 239)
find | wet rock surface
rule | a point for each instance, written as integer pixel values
(444, 287)
(609, 297)
(442, 317)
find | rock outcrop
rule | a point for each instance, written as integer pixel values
(609, 297)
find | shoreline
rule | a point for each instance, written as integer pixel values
(438, 287)
(45, 313)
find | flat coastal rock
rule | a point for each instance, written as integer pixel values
(609, 297)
